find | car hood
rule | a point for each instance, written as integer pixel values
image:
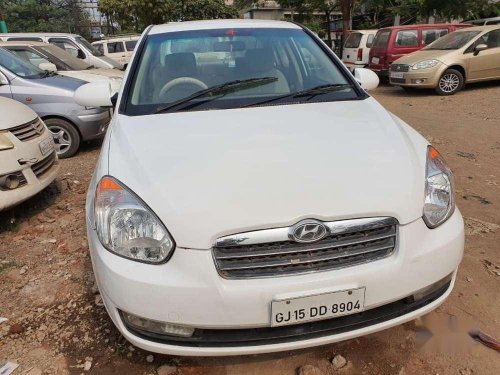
(422, 55)
(114, 73)
(213, 173)
(85, 75)
(14, 113)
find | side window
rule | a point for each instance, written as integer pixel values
(430, 35)
(99, 47)
(494, 22)
(66, 45)
(26, 39)
(407, 38)
(130, 45)
(115, 47)
(369, 41)
(491, 39)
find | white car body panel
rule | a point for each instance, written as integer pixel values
(89, 76)
(224, 171)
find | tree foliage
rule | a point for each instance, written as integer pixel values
(42, 15)
(137, 14)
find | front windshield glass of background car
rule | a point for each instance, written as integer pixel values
(18, 66)
(89, 46)
(71, 62)
(452, 41)
(174, 66)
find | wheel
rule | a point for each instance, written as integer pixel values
(66, 137)
(451, 82)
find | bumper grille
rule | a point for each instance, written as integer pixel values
(398, 80)
(348, 243)
(400, 68)
(43, 165)
(28, 131)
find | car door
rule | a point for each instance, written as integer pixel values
(116, 51)
(485, 64)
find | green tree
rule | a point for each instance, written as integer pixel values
(43, 15)
(137, 14)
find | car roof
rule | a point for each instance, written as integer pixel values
(124, 38)
(367, 31)
(220, 24)
(22, 43)
(36, 34)
(482, 28)
(431, 25)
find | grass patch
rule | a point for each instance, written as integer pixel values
(7, 266)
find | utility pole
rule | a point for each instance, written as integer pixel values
(3, 24)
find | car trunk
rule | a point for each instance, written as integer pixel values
(352, 47)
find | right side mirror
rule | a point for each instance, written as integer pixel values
(94, 94)
(479, 48)
(367, 78)
(80, 54)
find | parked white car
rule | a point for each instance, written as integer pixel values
(264, 201)
(75, 44)
(119, 49)
(356, 52)
(54, 59)
(28, 161)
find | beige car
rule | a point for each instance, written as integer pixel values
(28, 160)
(464, 56)
(119, 49)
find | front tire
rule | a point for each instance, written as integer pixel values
(451, 82)
(66, 137)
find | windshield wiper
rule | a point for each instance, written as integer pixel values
(312, 92)
(48, 73)
(222, 89)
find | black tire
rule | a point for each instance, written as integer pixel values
(451, 82)
(65, 135)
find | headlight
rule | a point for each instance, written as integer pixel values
(127, 227)
(425, 64)
(439, 201)
(5, 143)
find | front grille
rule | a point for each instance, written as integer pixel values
(20, 177)
(398, 80)
(400, 68)
(28, 131)
(43, 165)
(348, 243)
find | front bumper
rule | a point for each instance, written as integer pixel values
(93, 123)
(423, 78)
(188, 291)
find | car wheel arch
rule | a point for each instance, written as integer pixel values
(461, 69)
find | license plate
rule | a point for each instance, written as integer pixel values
(46, 146)
(317, 307)
(396, 75)
(375, 60)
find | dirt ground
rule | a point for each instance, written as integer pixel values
(57, 324)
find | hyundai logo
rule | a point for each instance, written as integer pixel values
(308, 231)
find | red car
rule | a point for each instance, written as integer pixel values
(391, 43)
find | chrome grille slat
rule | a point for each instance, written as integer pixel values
(400, 68)
(28, 131)
(271, 253)
(316, 259)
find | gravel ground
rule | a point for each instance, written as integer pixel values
(57, 324)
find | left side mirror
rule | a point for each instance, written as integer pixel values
(94, 94)
(479, 48)
(366, 78)
(48, 66)
(3, 80)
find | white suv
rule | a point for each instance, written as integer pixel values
(251, 197)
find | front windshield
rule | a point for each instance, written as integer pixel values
(18, 66)
(60, 55)
(278, 62)
(452, 41)
(89, 46)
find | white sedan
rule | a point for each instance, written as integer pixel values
(251, 197)
(28, 161)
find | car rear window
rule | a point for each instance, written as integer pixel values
(130, 44)
(407, 38)
(381, 39)
(353, 40)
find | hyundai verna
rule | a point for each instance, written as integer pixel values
(251, 197)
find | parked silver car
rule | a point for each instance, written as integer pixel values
(51, 97)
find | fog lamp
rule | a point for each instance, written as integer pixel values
(154, 326)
